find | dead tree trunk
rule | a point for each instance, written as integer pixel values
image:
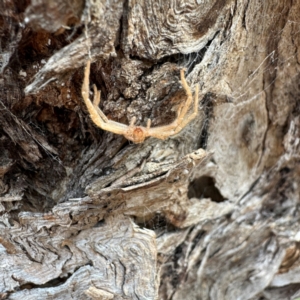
(210, 213)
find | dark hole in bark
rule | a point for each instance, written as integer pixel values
(204, 187)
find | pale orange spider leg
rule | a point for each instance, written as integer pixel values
(192, 116)
(97, 96)
(132, 122)
(176, 126)
(148, 124)
(95, 112)
(96, 102)
(163, 132)
(179, 110)
(185, 107)
(85, 95)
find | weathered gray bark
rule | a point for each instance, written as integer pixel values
(211, 213)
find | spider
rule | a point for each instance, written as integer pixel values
(138, 134)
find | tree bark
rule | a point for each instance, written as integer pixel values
(210, 213)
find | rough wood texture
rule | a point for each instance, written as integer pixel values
(211, 213)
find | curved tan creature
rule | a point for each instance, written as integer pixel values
(138, 134)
